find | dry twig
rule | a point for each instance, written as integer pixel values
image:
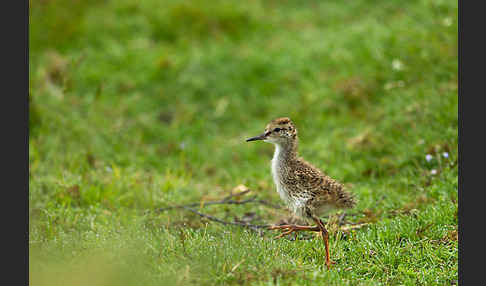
(226, 200)
(212, 218)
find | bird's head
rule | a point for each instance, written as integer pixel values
(278, 131)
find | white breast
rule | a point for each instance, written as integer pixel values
(296, 205)
(276, 166)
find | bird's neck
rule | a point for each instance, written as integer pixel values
(282, 160)
(286, 151)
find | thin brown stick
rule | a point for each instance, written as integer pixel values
(212, 218)
(226, 200)
(222, 202)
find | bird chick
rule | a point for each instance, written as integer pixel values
(307, 191)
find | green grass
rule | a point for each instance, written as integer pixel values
(141, 105)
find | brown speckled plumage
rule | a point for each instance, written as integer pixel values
(308, 192)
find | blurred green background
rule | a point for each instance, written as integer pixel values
(136, 105)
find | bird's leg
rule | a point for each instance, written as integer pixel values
(296, 227)
(289, 228)
(325, 237)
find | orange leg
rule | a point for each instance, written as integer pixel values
(325, 237)
(289, 228)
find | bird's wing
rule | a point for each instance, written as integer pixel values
(310, 179)
(320, 187)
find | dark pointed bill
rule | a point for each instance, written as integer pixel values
(259, 137)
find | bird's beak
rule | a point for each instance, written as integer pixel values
(259, 137)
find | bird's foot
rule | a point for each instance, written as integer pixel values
(329, 263)
(289, 228)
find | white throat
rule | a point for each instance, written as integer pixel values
(277, 165)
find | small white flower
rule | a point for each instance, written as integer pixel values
(445, 155)
(388, 85)
(397, 64)
(447, 21)
(433, 172)
(394, 84)
(182, 145)
(428, 157)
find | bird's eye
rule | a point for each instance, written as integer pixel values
(276, 129)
